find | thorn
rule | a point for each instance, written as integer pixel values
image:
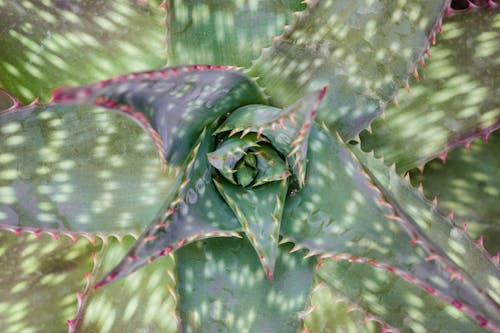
(464, 227)
(295, 248)
(416, 75)
(421, 168)
(407, 87)
(310, 254)
(422, 62)
(435, 201)
(395, 101)
(480, 241)
(443, 157)
(467, 145)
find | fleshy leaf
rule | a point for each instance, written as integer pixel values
(259, 210)
(334, 313)
(364, 50)
(71, 168)
(456, 101)
(397, 302)
(224, 32)
(223, 289)
(287, 129)
(447, 242)
(40, 278)
(173, 104)
(48, 43)
(229, 153)
(195, 212)
(339, 214)
(467, 185)
(144, 303)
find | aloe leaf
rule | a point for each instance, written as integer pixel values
(48, 43)
(224, 32)
(72, 168)
(259, 210)
(40, 279)
(447, 242)
(143, 303)
(394, 300)
(287, 129)
(456, 101)
(223, 289)
(363, 50)
(174, 104)
(333, 313)
(195, 211)
(467, 185)
(355, 224)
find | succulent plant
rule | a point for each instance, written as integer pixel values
(226, 194)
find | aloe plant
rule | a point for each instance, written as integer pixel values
(263, 180)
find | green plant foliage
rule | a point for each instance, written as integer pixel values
(212, 198)
(50, 43)
(457, 101)
(465, 175)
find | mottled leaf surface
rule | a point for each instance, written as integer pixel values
(195, 211)
(49, 43)
(259, 210)
(457, 100)
(339, 214)
(39, 279)
(77, 169)
(223, 288)
(396, 301)
(224, 32)
(448, 242)
(177, 103)
(333, 313)
(144, 302)
(364, 50)
(468, 185)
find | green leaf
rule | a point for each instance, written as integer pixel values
(339, 214)
(334, 313)
(144, 302)
(77, 168)
(456, 101)
(259, 210)
(39, 281)
(446, 242)
(49, 43)
(174, 104)
(363, 50)
(223, 289)
(468, 185)
(287, 129)
(224, 32)
(394, 300)
(195, 211)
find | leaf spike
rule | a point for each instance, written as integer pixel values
(415, 74)
(407, 86)
(480, 241)
(295, 248)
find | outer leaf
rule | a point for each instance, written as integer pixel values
(223, 289)
(432, 230)
(70, 168)
(334, 313)
(39, 280)
(355, 223)
(48, 43)
(458, 99)
(468, 185)
(142, 303)
(196, 211)
(335, 43)
(383, 295)
(174, 105)
(224, 32)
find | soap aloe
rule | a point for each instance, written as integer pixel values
(233, 190)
